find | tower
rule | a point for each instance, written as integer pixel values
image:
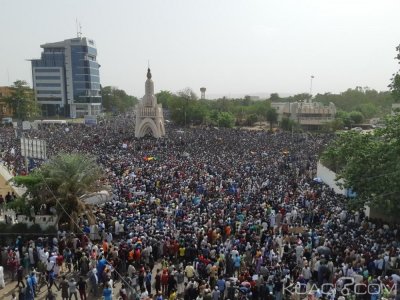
(149, 114)
(203, 92)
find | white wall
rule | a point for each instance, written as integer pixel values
(328, 177)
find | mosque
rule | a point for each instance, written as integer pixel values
(149, 114)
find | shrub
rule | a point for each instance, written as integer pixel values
(35, 228)
(19, 228)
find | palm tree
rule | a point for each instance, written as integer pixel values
(61, 182)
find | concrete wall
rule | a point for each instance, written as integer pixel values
(44, 221)
(328, 177)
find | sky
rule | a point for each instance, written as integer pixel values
(231, 47)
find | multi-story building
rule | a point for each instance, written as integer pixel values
(5, 108)
(66, 78)
(309, 115)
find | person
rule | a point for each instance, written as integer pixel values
(148, 281)
(159, 296)
(50, 295)
(8, 198)
(29, 291)
(13, 296)
(107, 292)
(123, 293)
(72, 289)
(31, 284)
(82, 288)
(52, 280)
(94, 282)
(2, 283)
(157, 284)
(64, 288)
(172, 295)
(216, 294)
(20, 276)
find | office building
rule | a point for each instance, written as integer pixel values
(66, 78)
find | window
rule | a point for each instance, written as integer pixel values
(48, 84)
(48, 77)
(48, 70)
(48, 92)
(49, 99)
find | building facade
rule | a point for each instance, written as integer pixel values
(309, 115)
(5, 109)
(66, 78)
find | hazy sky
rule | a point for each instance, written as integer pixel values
(229, 46)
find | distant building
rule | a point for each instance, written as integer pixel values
(5, 109)
(310, 115)
(66, 78)
(395, 108)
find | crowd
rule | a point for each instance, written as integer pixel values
(206, 213)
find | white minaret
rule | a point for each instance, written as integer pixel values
(149, 114)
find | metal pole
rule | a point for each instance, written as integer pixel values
(311, 80)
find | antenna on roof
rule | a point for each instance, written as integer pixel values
(78, 28)
(148, 64)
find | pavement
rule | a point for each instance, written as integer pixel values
(6, 293)
(10, 287)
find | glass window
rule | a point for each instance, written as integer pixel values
(48, 92)
(48, 77)
(48, 84)
(49, 99)
(48, 70)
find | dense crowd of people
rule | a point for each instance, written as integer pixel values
(206, 213)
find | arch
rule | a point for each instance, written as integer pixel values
(146, 126)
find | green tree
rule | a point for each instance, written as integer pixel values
(288, 124)
(369, 164)
(251, 119)
(356, 117)
(274, 97)
(116, 100)
(272, 117)
(22, 101)
(394, 85)
(163, 97)
(61, 182)
(226, 119)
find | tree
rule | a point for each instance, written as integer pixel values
(61, 182)
(368, 164)
(22, 101)
(288, 124)
(356, 117)
(301, 97)
(163, 97)
(272, 117)
(274, 97)
(251, 119)
(226, 119)
(116, 100)
(394, 85)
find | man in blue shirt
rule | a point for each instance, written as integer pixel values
(221, 286)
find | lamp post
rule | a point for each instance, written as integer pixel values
(311, 80)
